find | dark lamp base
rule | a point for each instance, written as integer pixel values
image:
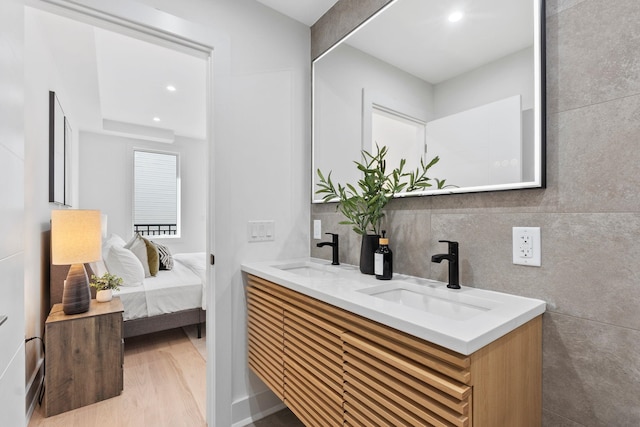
(76, 296)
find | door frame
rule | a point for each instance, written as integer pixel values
(162, 28)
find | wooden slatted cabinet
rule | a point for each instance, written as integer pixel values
(387, 387)
(341, 369)
(313, 365)
(265, 329)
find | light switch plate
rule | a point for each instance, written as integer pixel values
(526, 246)
(317, 229)
(261, 231)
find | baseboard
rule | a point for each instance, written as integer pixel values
(252, 408)
(33, 390)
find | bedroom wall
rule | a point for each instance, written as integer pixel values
(12, 245)
(106, 183)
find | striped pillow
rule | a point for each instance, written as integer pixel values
(166, 260)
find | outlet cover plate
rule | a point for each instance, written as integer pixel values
(317, 229)
(526, 246)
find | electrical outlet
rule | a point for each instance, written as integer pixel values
(526, 246)
(317, 229)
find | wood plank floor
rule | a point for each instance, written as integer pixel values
(164, 385)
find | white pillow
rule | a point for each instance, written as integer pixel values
(123, 263)
(109, 242)
(114, 239)
(99, 268)
(139, 249)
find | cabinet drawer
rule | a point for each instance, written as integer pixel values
(388, 385)
(265, 336)
(313, 367)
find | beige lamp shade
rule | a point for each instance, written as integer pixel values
(75, 236)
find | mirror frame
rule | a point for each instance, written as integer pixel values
(539, 48)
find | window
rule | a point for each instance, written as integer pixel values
(156, 194)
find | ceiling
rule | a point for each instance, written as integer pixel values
(305, 11)
(416, 35)
(120, 83)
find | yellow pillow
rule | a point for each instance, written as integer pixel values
(152, 257)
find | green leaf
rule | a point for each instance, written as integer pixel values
(362, 203)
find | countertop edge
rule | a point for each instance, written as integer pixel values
(458, 344)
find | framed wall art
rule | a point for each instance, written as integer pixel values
(59, 132)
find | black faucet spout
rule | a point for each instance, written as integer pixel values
(334, 245)
(452, 257)
(442, 257)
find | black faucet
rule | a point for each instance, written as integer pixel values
(452, 257)
(334, 244)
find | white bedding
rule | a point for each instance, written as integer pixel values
(174, 290)
(196, 261)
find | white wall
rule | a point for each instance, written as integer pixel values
(497, 80)
(261, 164)
(12, 166)
(106, 183)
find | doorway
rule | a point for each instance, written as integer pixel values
(179, 44)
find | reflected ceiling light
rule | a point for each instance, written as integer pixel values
(455, 16)
(171, 88)
(156, 119)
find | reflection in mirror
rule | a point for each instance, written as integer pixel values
(469, 91)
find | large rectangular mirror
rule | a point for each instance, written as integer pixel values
(461, 80)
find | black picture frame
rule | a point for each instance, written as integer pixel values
(67, 161)
(57, 151)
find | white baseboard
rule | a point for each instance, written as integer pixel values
(252, 408)
(33, 390)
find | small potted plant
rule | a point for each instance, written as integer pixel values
(362, 203)
(105, 285)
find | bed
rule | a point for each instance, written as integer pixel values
(170, 299)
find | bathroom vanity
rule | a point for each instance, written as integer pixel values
(340, 348)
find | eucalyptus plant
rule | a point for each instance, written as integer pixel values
(105, 282)
(362, 204)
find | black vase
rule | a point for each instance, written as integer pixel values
(367, 250)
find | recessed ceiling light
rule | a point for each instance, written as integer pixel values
(156, 119)
(171, 88)
(455, 16)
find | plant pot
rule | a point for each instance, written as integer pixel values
(104, 295)
(367, 251)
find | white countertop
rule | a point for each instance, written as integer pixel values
(479, 316)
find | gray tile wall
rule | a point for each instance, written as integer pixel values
(589, 216)
(343, 17)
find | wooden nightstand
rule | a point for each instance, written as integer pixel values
(84, 356)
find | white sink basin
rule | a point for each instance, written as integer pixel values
(313, 269)
(463, 320)
(449, 303)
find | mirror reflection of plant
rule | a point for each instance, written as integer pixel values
(105, 282)
(362, 204)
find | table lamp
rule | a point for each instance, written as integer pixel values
(75, 240)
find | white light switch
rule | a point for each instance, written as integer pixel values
(526, 246)
(261, 231)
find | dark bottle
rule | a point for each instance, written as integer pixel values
(383, 260)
